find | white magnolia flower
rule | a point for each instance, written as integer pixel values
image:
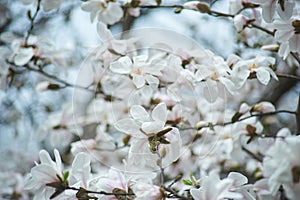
(281, 165)
(259, 67)
(43, 173)
(144, 129)
(213, 188)
(110, 43)
(47, 4)
(287, 33)
(108, 12)
(140, 69)
(141, 124)
(284, 8)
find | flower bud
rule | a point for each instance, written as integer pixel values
(197, 5)
(263, 107)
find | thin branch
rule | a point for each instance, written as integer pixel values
(174, 193)
(253, 155)
(288, 76)
(296, 56)
(32, 19)
(159, 163)
(241, 119)
(102, 192)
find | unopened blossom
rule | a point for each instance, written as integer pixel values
(46, 4)
(108, 12)
(263, 107)
(283, 7)
(21, 54)
(288, 34)
(197, 5)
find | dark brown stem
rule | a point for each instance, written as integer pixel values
(102, 192)
(242, 119)
(289, 76)
(32, 19)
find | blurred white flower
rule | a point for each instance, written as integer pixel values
(213, 188)
(281, 165)
(287, 33)
(108, 12)
(284, 8)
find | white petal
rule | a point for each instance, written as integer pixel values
(294, 43)
(127, 125)
(210, 91)
(159, 113)
(81, 168)
(23, 56)
(139, 113)
(239, 179)
(153, 127)
(288, 10)
(45, 157)
(119, 46)
(103, 32)
(121, 66)
(268, 11)
(263, 75)
(138, 80)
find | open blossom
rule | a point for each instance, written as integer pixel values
(43, 173)
(141, 124)
(108, 12)
(140, 69)
(282, 165)
(259, 67)
(213, 188)
(287, 33)
(47, 4)
(145, 128)
(284, 8)
(110, 43)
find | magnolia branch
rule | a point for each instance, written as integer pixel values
(32, 19)
(210, 125)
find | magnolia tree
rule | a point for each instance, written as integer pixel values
(150, 113)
